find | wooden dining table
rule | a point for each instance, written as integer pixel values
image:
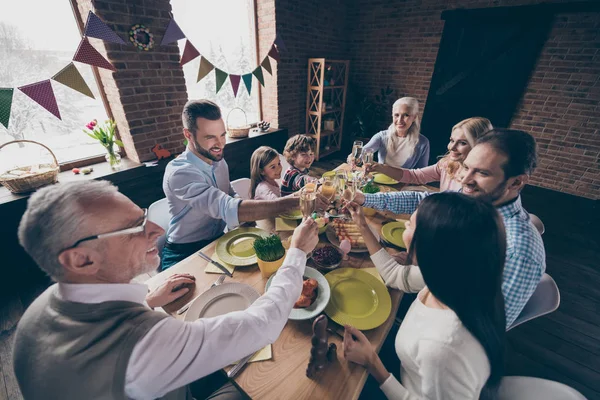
(284, 376)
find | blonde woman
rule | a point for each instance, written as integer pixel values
(402, 145)
(463, 138)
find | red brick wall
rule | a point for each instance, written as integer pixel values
(395, 43)
(147, 93)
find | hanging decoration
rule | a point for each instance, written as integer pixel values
(6, 96)
(279, 43)
(42, 93)
(70, 77)
(205, 68)
(274, 53)
(172, 34)
(141, 37)
(235, 83)
(266, 64)
(259, 75)
(88, 55)
(221, 77)
(189, 53)
(248, 82)
(94, 27)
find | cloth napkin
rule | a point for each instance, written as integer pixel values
(283, 224)
(212, 269)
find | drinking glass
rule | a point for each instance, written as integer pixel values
(368, 159)
(357, 153)
(340, 180)
(351, 185)
(308, 201)
(328, 188)
(310, 183)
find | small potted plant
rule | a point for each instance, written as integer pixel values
(270, 254)
(105, 134)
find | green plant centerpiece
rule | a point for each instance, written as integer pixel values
(105, 134)
(270, 254)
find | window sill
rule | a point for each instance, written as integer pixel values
(101, 170)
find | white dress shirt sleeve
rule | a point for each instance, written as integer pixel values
(407, 278)
(174, 353)
(192, 188)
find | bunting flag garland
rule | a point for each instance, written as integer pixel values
(6, 96)
(248, 82)
(89, 55)
(42, 93)
(94, 27)
(70, 76)
(274, 53)
(173, 33)
(266, 64)
(259, 75)
(205, 68)
(235, 83)
(221, 77)
(189, 53)
(279, 43)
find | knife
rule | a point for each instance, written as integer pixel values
(216, 264)
(238, 367)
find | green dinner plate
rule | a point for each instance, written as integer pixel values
(329, 173)
(295, 214)
(357, 298)
(236, 246)
(384, 179)
(392, 232)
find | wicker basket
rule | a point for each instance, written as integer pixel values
(239, 132)
(24, 184)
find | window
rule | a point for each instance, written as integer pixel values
(38, 38)
(223, 31)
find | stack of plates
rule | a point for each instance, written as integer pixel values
(236, 247)
(391, 234)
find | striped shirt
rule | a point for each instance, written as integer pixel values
(293, 180)
(525, 255)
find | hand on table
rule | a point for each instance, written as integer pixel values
(357, 347)
(170, 290)
(306, 235)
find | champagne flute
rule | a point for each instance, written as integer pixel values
(351, 186)
(357, 147)
(368, 157)
(308, 201)
(341, 177)
(310, 183)
(328, 188)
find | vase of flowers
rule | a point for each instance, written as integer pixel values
(105, 134)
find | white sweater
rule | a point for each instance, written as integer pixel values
(440, 359)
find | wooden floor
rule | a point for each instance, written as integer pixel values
(563, 346)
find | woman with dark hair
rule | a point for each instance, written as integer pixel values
(451, 342)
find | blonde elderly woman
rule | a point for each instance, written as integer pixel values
(401, 145)
(463, 138)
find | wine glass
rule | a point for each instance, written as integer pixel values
(308, 199)
(351, 186)
(357, 147)
(368, 157)
(340, 180)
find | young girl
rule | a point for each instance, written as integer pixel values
(300, 153)
(265, 169)
(464, 136)
(451, 342)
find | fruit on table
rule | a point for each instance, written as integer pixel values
(87, 171)
(76, 171)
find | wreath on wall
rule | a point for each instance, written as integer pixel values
(141, 37)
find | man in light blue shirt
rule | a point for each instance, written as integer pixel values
(495, 170)
(201, 200)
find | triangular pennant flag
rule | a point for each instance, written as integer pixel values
(94, 27)
(259, 75)
(173, 33)
(221, 77)
(42, 93)
(205, 68)
(248, 82)
(88, 55)
(235, 83)
(6, 96)
(266, 64)
(70, 76)
(274, 53)
(279, 43)
(189, 53)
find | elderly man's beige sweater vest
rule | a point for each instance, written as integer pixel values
(74, 351)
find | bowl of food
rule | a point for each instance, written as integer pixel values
(327, 257)
(314, 298)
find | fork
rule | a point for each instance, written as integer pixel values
(215, 283)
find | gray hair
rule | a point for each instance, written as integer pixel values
(56, 218)
(395, 144)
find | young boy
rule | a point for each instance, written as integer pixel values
(300, 153)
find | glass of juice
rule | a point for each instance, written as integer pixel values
(328, 188)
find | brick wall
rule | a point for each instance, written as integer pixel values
(147, 93)
(395, 43)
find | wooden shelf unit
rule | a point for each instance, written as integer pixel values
(320, 92)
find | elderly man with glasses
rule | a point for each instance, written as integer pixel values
(92, 335)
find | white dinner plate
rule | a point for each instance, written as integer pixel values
(222, 299)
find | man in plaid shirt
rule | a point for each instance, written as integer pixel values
(495, 170)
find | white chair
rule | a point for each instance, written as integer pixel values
(544, 300)
(284, 166)
(158, 212)
(242, 187)
(529, 388)
(537, 222)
